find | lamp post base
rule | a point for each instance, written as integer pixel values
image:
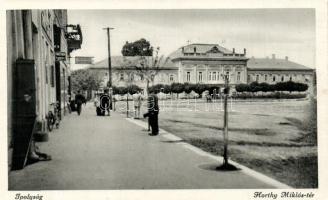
(226, 167)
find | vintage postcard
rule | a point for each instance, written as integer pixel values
(170, 102)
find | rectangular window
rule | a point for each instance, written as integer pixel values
(282, 78)
(171, 78)
(265, 77)
(257, 78)
(227, 75)
(46, 74)
(200, 76)
(52, 76)
(274, 78)
(218, 77)
(238, 76)
(210, 76)
(188, 76)
(214, 76)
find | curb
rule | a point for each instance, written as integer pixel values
(244, 169)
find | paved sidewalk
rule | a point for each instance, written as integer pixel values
(91, 152)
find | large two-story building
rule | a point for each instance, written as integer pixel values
(208, 63)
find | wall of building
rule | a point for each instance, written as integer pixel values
(274, 76)
(212, 72)
(30, 36)
(123, 78)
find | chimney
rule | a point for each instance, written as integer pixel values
(233, 50)
(244, 51)
(273, 56)
(286, 58)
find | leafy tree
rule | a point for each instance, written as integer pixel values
(200, 88)
(265, 87)
(188, 87)
(242, 87)
(167, 89)
(132, 89)
(140, 47)
(85, 80)
(254, 87)
(212, 87)
(177, 88)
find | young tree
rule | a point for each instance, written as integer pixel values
(149, 66)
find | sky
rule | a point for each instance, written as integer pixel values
(263, 32)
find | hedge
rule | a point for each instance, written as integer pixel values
(132, 89)
(289, 86)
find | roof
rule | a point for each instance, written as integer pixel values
(274, 64)
(129, 62)
(203, 51)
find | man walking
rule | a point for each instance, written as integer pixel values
(79, 100)
(152, 114)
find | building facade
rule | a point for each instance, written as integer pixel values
(210, 64)
(38, 48)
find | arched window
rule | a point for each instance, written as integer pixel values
(257, 78)
(282, 78)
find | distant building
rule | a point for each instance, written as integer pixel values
(209, 63)
(273, 70)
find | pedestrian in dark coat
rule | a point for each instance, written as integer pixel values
(152, 113)
(105, 101)
(79, 100)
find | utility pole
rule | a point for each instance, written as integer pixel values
(109, 66)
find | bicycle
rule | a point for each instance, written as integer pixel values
(53, 117)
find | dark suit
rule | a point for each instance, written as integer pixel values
(79, 99)
(153, 111)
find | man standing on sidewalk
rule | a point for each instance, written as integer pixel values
(152, 114)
